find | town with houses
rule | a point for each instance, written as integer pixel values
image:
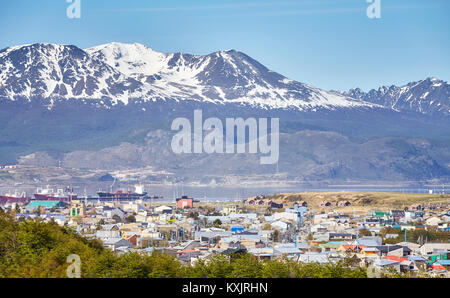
(191, 230)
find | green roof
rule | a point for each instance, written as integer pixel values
(331, 245)
(381, 214)
(46, 204)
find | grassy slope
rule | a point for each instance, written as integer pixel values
(362, 200)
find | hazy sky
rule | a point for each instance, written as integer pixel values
(331, 44)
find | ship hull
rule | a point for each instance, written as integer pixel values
(9, 200)
(40, 197)
(122, 196)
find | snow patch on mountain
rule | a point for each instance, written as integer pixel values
(429, 96)
(117, 72)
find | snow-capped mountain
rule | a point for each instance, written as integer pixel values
(113, 105)
(52, 71)
(120, 72)
(429, 96)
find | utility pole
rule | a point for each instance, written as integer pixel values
(357, 239)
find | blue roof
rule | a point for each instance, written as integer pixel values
(444, 262)
(416, 258)
(335, 242)
(47, 204)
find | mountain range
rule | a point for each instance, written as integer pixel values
(429, 96)
(123, 72)
(76, 105)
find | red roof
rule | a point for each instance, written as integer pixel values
(351, 246)
(186, 251)
(396, 258)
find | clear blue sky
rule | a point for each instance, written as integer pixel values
(331, 44)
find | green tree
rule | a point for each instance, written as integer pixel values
(130, 219)
(165, 266)
(217, 223)
(193, 215)
(275, 269)
(117, 218)
(246, 266)
(275, 236)
(364, 232)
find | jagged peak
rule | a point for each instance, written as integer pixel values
(121, 46)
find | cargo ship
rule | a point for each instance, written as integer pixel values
(120, 195)
(48, 194)
(15, 197)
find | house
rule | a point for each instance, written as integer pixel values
(393, 250)
(302, 203)
(314, 257)
(401, 251)
(102, 235)
(368, 251)
(116, 243)
(430, 248)
(229, 243)
(370, 223)
(331, 246)
(416, 264)
(108, 231)
(163, 210)
(381, 215)
(250, 201)
(116, 211)
(325, 204)
(237, 229)
(185, 202)
(385, 264)
(189, 245)
(414, 247)
(134, 239)
(287, 251)
(444, 263)
(433, 221)
(286, 216)
(318, 218)
(273, 205)
(391, 236)
(187, 256)
(440, 268)
(230, 210)
(341, 237)
(251, 241)
(281, 225)
(369, 241)
(262, 253)
(416, 207)
(58, 218)
(343, 203)
(397, 214)
(211, 236)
